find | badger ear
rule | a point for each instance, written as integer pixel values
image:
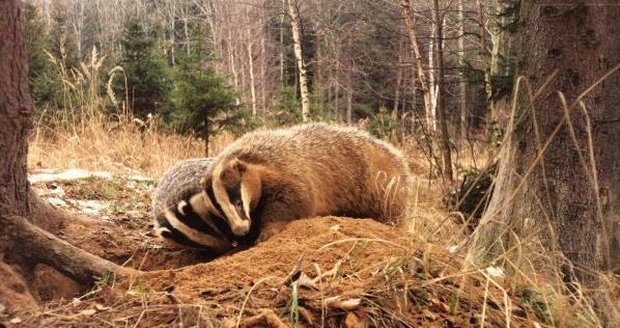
(239, 166)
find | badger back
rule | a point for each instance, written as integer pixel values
(313, 170)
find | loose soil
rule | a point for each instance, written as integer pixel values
(329, 271)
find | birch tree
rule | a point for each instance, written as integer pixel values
(299, 58)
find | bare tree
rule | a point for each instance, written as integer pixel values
(417, 55)
(441, 110)
(299, 57)
(462, 127)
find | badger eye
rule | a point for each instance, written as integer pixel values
(238, 202)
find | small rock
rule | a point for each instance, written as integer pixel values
(495, 271)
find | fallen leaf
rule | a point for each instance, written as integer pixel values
(305, 281)
(349, 305)
(101, 307)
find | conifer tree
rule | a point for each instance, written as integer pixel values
(43, 77)
(148, 77)
(203, 102)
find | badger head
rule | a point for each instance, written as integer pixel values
(237, 189)
(195, 223)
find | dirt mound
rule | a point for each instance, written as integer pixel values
(13, 291)
(318, 272)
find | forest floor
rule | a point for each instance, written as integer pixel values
(334, 272)
(318, 272)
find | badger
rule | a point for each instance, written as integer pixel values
(185, 213)
(268, 178)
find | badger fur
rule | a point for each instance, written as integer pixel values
(268, 178)
(184, 212)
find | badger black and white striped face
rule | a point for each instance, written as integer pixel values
(196, 223)
(237, 189)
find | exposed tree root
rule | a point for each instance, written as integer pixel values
(39, 246)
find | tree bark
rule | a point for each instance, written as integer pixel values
(462, 127)
(207, 132)
(301, 66)
(407, 14)
(281, 58)
(484, 53)
(398, 78)
(431, 111)
(43, 247)
(20, 240)
(172, 16)
(15, 111)
(251, 69)
(571, 192)
(441, 110)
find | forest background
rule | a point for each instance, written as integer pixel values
(140, 84)
(200, 67)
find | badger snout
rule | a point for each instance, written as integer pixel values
(241, 228)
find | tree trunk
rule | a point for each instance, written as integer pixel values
(251, 69)
(398, 78)
(407, 14)
(206, 138)
(484, 53)
(15, 110)
(20, 241)
(301, 66)
(188, 42)
(171, 14)
(281, 61)
(441, 111)
(572, 192)
(263, 65)
(231, 60)
(431, 111)
(462, 127)
(349, 105)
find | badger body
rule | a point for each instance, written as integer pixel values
(184, 212)
(269, 178)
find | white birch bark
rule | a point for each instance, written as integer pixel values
(301, 67)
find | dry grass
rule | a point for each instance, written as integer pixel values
(119, 147)
(427, 276)
(533, 280)
(80, 135)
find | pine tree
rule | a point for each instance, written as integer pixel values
(148, 76)
(43, 77)
(203, 102)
